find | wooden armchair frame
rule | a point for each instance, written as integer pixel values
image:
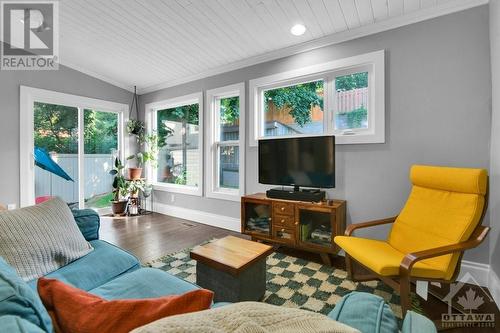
(402, 282)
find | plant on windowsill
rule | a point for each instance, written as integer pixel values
(120, 189)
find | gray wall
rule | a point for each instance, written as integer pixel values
(438, 92)
(495, 139)
(64, 80)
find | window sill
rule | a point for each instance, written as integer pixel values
(340, 139)
(228, 195)
(174, 188)
(359, 138)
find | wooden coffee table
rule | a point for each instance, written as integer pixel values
(233, 268)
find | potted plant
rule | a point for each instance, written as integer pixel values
(149, 153)
(120, 188)
(134, 186)
(136, 127)
(136, 173)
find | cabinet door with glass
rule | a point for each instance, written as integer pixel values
(256, 217)
(316, 227)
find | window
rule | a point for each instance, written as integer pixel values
(294, 109)
(225, 142)
(351, 102)
(343, 97)
(177, 123)
(81, 135)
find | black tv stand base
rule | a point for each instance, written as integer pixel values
(296, 194)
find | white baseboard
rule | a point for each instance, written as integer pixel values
(494, 286)
(480, 272)
(215, 220)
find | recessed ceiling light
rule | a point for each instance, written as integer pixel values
(298, 30)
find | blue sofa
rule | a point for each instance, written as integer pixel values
(113, 273)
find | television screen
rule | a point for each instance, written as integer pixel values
(308, 162)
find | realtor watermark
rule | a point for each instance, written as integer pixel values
(30, 35)
(470, 303)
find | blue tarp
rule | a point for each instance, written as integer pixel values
(44, 161)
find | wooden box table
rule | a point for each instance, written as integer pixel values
(233, 268)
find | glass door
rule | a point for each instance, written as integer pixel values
(257, 218)
(56, 152)
(76, 171)
(101, 147)
(315, 227)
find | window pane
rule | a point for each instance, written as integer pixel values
(178, 158)
(296, 109)
(352, 101)
(101, 145)
(229, 118)
(56, 133)
(229, 164)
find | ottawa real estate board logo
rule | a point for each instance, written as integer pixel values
(466, 306)
(30, 35)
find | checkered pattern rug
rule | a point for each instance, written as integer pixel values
(293, 282)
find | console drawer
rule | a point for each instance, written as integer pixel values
(283, 208)
(284, 220)
(283, 234)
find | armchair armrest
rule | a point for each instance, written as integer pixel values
(350, 228)
(411, 259)
(88, 222)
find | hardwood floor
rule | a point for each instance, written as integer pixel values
(153, 236)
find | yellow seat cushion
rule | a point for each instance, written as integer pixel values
(382, 258)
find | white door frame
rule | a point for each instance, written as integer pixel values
(28, 96)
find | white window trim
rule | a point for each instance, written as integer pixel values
(150, 117)
(211, 158)
(328, 71)
(28, 96)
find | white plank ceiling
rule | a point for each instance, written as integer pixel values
(159, 43)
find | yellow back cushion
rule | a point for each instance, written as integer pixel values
(444, 207)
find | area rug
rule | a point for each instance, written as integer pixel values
(293, 282)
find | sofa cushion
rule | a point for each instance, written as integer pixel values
(40, 239)
(88, 221)
(143, 283)
(75, 310)
(18, 299)
(103, 264)
(15, 324)
(366, 312)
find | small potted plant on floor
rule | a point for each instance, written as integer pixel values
(120, 188)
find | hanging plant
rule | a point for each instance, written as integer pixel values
(136, 127)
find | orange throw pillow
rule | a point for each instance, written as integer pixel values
(75, 310)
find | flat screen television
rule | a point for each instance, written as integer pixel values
(308, 161)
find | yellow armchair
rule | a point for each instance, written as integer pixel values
(441, 218)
